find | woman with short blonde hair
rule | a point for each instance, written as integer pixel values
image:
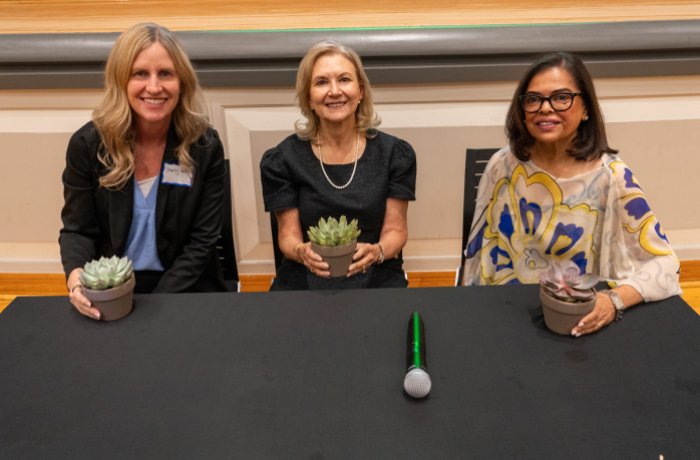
(338, 164)
(367, 120)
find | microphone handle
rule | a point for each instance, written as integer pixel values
(415, 346)
(417, 382)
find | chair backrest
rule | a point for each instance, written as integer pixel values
(275, 243)
(474, 166)
(225, 245)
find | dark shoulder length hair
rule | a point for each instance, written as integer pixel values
(590, 142)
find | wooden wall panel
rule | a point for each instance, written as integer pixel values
(15, 284)
(42, 16)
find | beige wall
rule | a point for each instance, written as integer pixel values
(655, 122)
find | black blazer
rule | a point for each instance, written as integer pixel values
(96, 221)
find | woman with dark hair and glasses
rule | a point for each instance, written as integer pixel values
(558, 191)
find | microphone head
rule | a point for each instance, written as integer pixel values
(417, 383)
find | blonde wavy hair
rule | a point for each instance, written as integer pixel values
(365, 117)
(114, 119)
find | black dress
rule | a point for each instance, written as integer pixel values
(292, 178)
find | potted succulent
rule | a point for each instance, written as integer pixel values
(109, 284)
(335, 241)
(566, 295)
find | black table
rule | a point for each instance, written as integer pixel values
(318, 375)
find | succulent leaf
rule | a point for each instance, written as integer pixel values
(563, 280)
(332, 232)
(106, 272)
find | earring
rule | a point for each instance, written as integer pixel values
(585, 118)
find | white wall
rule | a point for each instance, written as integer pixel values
(654, 122)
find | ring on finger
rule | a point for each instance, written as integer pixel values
(364, 269)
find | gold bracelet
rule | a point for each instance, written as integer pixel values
(381, 253)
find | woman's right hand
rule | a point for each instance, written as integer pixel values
(311, 260)
(75, 294)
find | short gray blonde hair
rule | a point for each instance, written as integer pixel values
(365, 117)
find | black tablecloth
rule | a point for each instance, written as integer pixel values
(316, 375)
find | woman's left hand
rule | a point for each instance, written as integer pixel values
(365, 256)
(603, 314)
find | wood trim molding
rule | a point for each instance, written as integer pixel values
(256, 283)
(33, 284)
(15, 284)
(55, 284)
(690, 271)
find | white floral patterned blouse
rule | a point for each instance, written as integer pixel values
(599, 219)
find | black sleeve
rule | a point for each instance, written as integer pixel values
(402, 172)
(280, 191)
(81, 229)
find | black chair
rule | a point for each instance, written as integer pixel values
(225, 247)
(474, 167)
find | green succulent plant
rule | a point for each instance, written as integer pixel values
(334, 232)
(106, 273)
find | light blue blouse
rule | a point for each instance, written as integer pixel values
(141, 245)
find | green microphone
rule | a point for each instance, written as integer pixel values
(417, 381)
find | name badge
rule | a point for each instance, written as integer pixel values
(174, 175)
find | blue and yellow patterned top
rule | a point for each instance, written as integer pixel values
(599, 219)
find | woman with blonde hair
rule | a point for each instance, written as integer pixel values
(336, 164)
(145, 177)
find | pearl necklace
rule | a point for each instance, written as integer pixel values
(354, 168)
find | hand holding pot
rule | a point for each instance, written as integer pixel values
(76, 297)
(603, 314)
(365, 256)
(312, 260)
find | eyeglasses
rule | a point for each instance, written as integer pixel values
(560, 102)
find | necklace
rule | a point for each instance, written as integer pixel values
(354, 167)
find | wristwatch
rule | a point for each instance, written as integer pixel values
(617, 303)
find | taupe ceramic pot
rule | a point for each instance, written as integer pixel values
(113, 303)
(561, 317)
(338, 258)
